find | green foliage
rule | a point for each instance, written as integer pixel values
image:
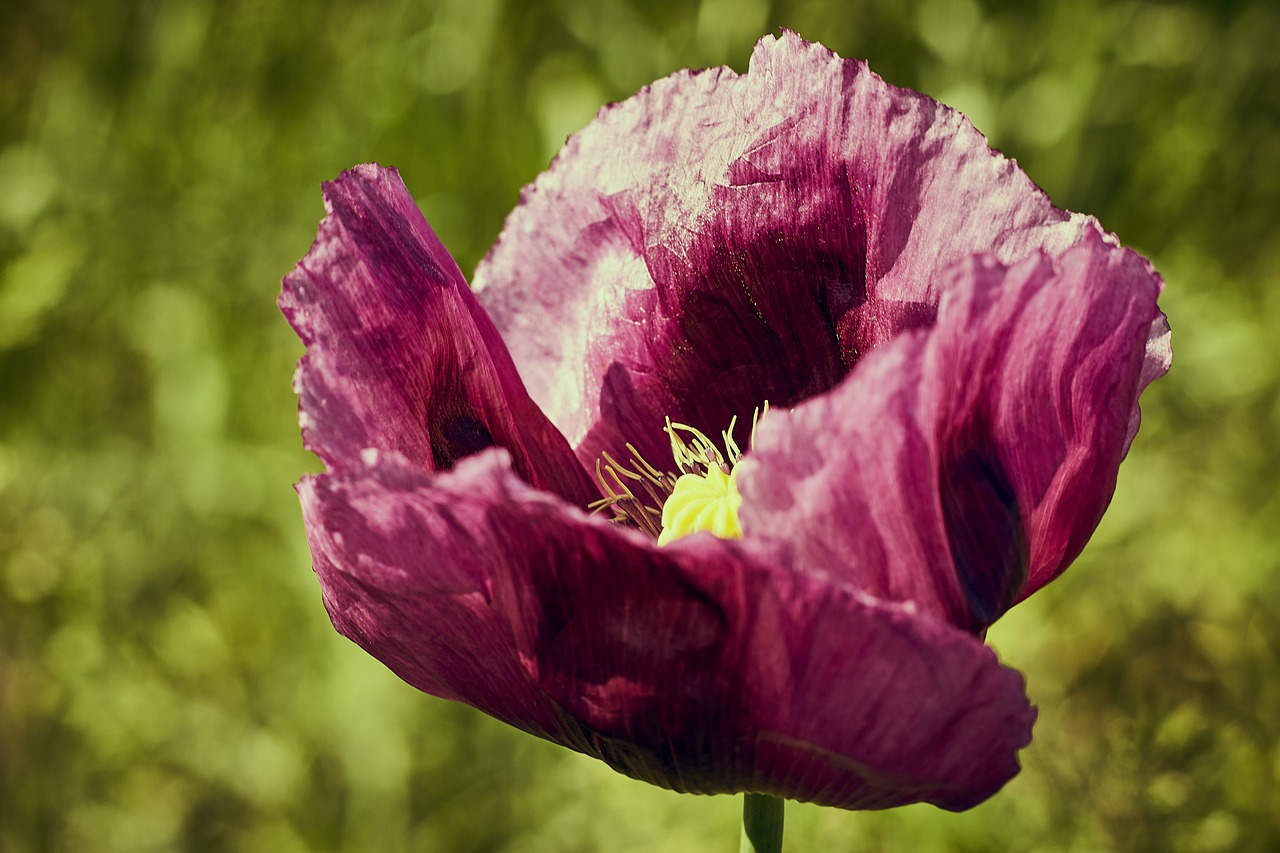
(168, 679)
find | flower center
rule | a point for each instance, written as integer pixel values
(704, 496)
(702, 502)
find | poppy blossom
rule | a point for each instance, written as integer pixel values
(951, 366)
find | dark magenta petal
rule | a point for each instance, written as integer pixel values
(964, 466)
(706, 667)
(720, 240)
(399, 354)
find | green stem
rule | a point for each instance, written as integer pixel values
(761, 824)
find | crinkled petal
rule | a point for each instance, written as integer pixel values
(964, 466)
(721, 240)
(399, 354)
(705, 667)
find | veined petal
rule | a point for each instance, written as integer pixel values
(400, 357)
(702, 667)
(720, 240)
(964, 466)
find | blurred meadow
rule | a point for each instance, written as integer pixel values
(168, 677)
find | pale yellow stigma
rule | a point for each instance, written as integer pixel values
(705, 496)
(702, 502)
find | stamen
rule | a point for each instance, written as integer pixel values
(703, 496)
(644, 511)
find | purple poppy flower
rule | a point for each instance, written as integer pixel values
(953, 366)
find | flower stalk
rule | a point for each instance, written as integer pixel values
(762, 818)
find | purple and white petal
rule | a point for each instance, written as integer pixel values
(400, 357)
(720, 240)
(701, 668)
(964, 466)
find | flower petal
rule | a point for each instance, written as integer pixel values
(703, 667)
(720, 240)
(965, 466)
(400, 356)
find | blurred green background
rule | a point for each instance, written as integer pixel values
(168, 677)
